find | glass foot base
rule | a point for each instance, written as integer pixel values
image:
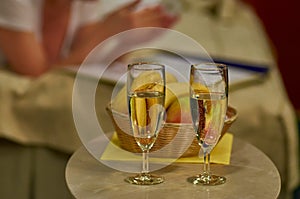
(145, 179)
(207, 180)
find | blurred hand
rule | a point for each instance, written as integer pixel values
(128, 17)
(153, 17)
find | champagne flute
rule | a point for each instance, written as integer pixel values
(208, 101)
(146, 97)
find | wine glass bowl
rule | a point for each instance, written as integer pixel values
(145, 97)
(208, 101)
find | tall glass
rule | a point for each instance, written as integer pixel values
(146, 97)
(208, 101)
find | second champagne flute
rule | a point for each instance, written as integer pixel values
(146, 97)
(208, 101)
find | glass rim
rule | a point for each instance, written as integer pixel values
(158, 65)
(217, 66)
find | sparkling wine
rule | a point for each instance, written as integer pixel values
(146, 114)
(208, 114)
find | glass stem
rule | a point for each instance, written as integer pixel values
(145, 162)
(206, 168)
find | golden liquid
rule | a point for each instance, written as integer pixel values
(208, 114)
(146, 115)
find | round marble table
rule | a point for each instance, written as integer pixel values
(250, 174)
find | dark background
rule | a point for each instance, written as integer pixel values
(282, 23)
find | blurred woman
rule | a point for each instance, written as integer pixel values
(37, 133)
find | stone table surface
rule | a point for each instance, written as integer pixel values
(251, 174)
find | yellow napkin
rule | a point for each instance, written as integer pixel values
(220, 154)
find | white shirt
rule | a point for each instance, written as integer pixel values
(26, 15)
